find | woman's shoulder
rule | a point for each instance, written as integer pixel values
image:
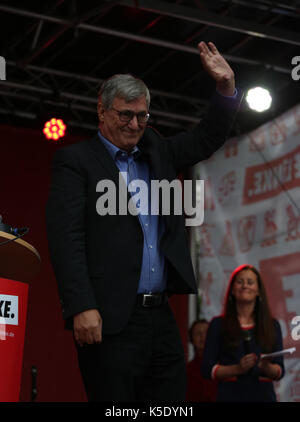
(216, 321)
(276, 324)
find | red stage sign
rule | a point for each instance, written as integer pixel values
(13, 309)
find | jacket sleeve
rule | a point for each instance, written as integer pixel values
(65, 217)
(187, 149)
(278, 346)
(212, 348)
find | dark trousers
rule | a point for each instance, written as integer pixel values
(145, 362)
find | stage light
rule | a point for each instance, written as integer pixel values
(54, 129)
(259, 99)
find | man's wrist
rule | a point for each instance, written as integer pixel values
(226, 91)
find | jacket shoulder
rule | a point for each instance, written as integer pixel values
(152, 136)
(75, 151)
(76, 147)
(216, 322)
(152, 131)
(217, 319)
(276, 324)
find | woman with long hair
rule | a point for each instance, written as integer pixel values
(236, 339)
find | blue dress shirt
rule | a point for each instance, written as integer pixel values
(153, 271)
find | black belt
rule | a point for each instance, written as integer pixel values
(151, 300)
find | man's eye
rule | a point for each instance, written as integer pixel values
(126, 114)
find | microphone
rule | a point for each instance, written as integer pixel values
(8, 229)
(33, 383)
(4, 227)
(247, 341)
(19, 231)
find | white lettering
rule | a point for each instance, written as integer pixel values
(268, 181)
(297, 166)
(9, 310)
(166, 187)
(123, 193)
(106, 204)
(296, 330)
(296, 70)
(170, 411)
(2, 69)
(138, 203)
(115, 411)
(257, 182)
(188, 203)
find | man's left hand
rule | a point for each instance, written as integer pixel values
(218, 68)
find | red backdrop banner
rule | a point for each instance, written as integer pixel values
(13, 309)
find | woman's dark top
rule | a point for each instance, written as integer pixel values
(252, 386)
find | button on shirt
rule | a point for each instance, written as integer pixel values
(153, 275)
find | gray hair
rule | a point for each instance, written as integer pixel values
(123, 86)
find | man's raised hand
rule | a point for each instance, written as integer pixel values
(217, 67)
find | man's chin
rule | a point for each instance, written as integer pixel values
(132, 135)
(131, 139)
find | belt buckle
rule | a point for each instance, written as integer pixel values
(145, 297)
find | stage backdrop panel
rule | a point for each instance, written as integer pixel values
(252, 215)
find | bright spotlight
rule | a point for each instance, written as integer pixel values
(259, 99)
(54, 129)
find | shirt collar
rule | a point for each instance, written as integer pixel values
(115, 151)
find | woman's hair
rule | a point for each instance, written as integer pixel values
(124, 86)
(264, 325)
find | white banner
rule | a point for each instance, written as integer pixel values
(252, 215)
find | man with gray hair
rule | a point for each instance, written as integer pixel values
(115, 271)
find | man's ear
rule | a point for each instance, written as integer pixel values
(100, 111)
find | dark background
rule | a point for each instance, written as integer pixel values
(58, 52)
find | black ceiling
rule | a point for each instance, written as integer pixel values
(58, 52)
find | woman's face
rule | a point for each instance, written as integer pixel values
(245, 287)
(199, 335)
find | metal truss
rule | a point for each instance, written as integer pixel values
(45, 85)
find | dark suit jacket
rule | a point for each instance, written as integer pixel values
(97, 259)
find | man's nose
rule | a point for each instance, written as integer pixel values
(134, 124)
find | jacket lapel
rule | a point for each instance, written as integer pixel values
(105, 159)
(156, 166)
(147, 147)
